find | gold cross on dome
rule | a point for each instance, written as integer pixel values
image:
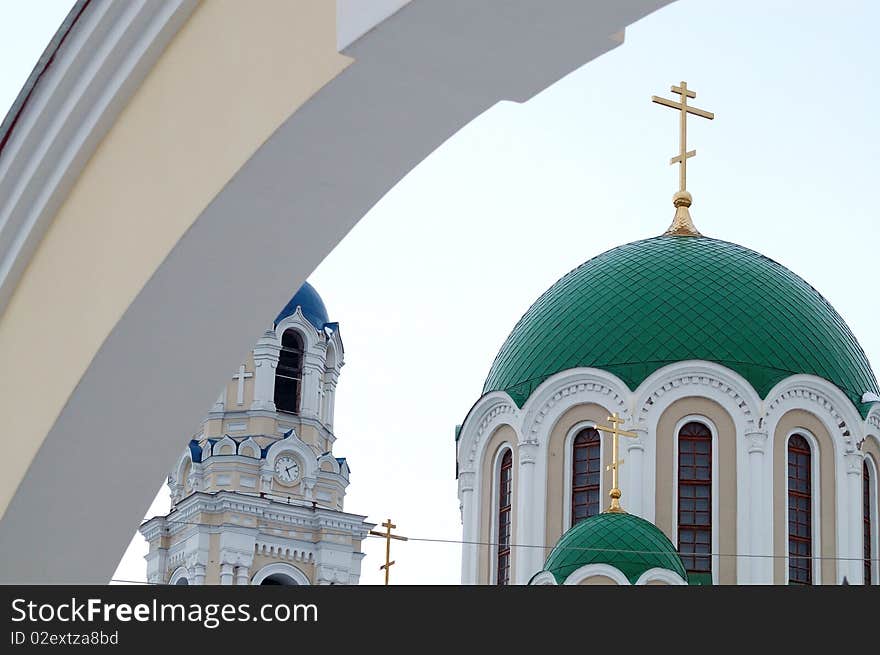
(389, 526)
(615, 432)
(682, 106)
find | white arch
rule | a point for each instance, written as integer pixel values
(592, 570)
(543, 578)
(280, 568)
(562, 391)
(488, 414)
(660, 575)
(179, 574)
(298, 323)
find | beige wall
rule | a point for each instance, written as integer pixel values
(486, 554)
(227, 80)
(800, 420)
(597, 580)
(726, 482)
(556, 470)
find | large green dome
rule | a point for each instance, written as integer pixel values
(637, 308)
(630, 544)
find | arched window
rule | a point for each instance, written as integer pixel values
(800, 511)
(695, 497)
(867, 511)
(279, 579)
(586, 469)
(288, 375)
(505, 488)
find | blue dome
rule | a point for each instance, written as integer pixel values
(311, 305)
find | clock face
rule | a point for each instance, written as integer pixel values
(286, 469)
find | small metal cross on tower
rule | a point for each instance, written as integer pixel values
(389, 526)
(615, 432)
(685, 109)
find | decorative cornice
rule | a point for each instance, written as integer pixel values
(873, 420)
(576, 391)
(815, 397)
(490, 416)
(703, 378)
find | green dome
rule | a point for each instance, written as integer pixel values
(630, 544)
(644, 305)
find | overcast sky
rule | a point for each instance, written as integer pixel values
(429, 284)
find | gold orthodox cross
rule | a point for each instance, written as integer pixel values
(389, 526)
(615, 432)
(685, 109)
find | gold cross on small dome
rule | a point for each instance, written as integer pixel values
(615, 432)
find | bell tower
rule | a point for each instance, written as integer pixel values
(257, 494)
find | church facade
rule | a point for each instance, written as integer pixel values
(754, 415)
(751, 440)
(257, 495)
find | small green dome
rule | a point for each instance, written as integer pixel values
(645, 305)
(630, 544)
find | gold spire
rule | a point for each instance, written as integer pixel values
(682, 224)
(615, 432)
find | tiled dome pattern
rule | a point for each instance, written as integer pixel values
(630, 544)
(644, 305)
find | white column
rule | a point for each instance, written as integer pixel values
(330, 398)
(758, 520)
(633, 474)
(226, 571)
(198, 574)
(470, 527)
(242, 575)
(527, 561)
(850, 521)
(266, 354)
(313, 374)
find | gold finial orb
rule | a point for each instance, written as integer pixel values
(682, 224)
(682, 199)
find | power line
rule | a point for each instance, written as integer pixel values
(461, 542)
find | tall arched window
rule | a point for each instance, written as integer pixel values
(586, 469)
(695, 497)
(800, 511)
(505, 488)
(288, 375)
(867, 510)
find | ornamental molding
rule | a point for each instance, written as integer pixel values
(568, 389)
(710, 381)
(296, 321)
(757, 441)
(296, 553)
(491, 412)
(854, 462)
(872, 422)
(817, 396)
